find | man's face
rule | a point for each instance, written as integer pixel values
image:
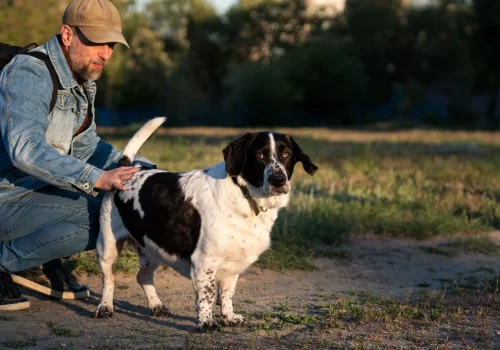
(88, 59)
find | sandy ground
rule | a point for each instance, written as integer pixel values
(386, 268)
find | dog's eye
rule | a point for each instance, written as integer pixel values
(260, 155)
(286, 154)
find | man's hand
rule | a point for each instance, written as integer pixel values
(113, 179)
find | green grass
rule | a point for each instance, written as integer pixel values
(18, 344)
(127, 262)
(415, 184)
(60, 331)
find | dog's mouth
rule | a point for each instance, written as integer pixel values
(279, 192)
(270, 190)
(275, 184)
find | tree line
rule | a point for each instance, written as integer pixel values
(271, 62)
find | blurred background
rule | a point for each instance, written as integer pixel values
(257, 63)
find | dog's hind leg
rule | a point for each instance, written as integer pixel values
(145, 277)
(109, 245)
(227, 286)
(107, 254)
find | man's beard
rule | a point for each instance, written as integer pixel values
(85, 70)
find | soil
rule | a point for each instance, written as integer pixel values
(382, 267)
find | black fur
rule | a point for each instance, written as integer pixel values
(235, 155)
(300, 156)
(170, 220)
(124, 161)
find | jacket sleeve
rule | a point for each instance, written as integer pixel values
(25, 96)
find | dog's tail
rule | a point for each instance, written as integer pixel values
(138, 139)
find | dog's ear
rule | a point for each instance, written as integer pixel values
(300, 156)
(235, 155)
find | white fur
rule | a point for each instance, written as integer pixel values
(141, 136)
(134, 185)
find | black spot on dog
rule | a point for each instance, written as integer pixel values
(170, 220)
(209, 289)
(124, 161)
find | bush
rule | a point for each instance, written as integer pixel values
(317, 80)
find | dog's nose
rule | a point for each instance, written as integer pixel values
(277, 180)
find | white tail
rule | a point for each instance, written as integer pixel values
(140, 137)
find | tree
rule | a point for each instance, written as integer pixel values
(488, 46)
(36, 25)
(170, 19)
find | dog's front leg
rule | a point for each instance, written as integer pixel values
(227, 286)
(204, 287)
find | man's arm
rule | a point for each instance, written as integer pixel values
(24, 99)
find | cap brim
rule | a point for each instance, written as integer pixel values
(101, 35)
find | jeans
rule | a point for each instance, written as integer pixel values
(46, 224)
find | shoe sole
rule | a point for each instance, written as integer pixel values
(16, 306)
(50, 292)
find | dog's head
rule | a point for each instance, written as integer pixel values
(265, 160)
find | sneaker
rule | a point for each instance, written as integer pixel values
(52, 279)
(10, 296)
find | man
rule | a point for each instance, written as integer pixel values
(52, 163)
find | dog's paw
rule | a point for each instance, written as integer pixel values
(103, 311)
(237, 321)
(209, 326)
(160, 311)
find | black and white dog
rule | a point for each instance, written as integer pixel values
(208, 224)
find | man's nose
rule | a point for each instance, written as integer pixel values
(105, 52)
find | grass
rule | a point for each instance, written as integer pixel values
(470, 245)
(411, 184)
(18, 344)
(364, 321)
(60, 331)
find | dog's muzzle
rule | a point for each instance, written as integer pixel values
(278, 184)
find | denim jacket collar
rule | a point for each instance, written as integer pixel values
(61, 66)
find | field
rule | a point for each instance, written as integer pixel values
(394, 243)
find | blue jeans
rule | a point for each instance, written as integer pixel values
(46, 224)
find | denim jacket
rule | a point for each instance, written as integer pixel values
(39, 148)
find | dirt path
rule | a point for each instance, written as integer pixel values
(385, 268)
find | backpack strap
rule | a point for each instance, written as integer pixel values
(55, 80)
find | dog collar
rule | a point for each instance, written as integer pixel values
(253, 204)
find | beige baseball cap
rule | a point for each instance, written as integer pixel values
(98, 20)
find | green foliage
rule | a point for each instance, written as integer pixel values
(320, 76)
(262, 90)
(22, 22)
(276, 58)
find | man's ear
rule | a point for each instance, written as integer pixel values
(66, 35)
(235, 155)
(300, 156)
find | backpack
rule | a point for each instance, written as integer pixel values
(7, 53)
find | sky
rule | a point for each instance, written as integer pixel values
(220, 5)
